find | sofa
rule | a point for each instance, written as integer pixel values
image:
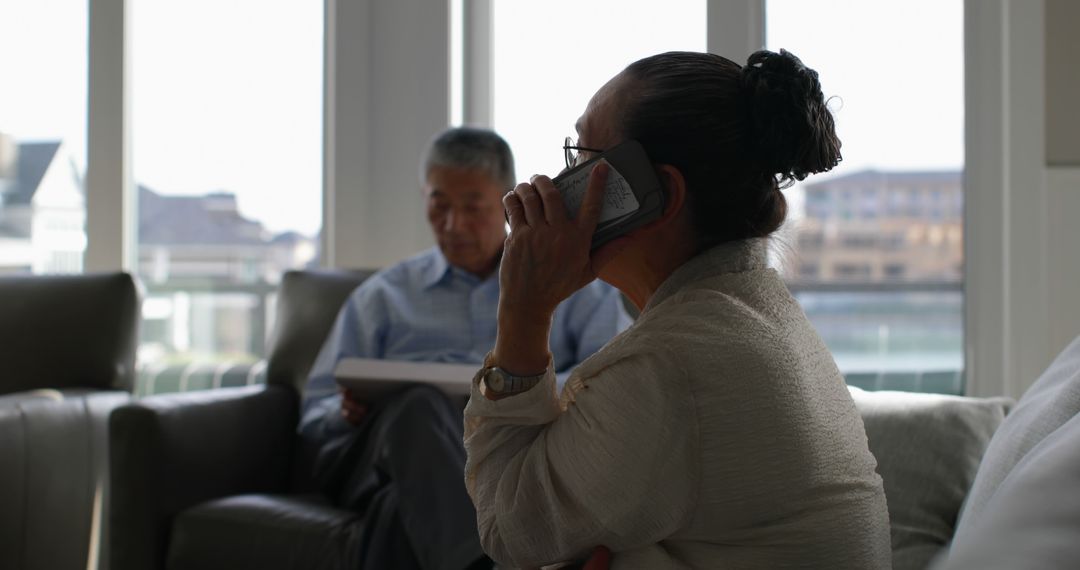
(67, 358)
(219, 478)
(216, 479)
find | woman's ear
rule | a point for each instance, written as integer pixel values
(674, 185)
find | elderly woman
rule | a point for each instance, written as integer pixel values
(716, 432)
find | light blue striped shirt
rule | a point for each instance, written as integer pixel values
(424, 309)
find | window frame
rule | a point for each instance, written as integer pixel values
(1005, 206)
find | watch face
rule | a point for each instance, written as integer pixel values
(494, 380)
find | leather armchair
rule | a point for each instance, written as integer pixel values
(215, 479)
(67, 358)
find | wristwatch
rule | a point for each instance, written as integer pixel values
(504, 383)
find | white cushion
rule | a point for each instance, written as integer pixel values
(1033, 520)
(1024, 508)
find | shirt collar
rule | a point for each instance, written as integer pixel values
(440, 270)
(730, 257)
(437, 269)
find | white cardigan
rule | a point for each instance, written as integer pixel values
(716, 432)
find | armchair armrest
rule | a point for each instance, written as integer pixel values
(170, 452)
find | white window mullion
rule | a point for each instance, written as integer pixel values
(110, 200)
(1005, 239)
(479, 62)
(736, 28)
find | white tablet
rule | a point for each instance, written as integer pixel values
(369, 379)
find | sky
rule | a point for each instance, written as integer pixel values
(893, 69)
(43, 78)
(234, 102)
(541, 88)
(231, 102)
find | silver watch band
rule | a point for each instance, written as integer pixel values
(502, 382)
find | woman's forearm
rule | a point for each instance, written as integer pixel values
(521, 345)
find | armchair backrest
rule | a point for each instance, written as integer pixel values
(72, 331)
(307, 305)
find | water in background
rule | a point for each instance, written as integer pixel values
(880, 335)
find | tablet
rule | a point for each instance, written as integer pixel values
(371, 379)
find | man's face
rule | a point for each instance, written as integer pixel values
(464, 208)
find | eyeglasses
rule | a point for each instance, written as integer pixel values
(572, 152)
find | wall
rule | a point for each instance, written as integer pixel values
(1062, 83)
(387, 93)
(1063, 169)
(1063, 203)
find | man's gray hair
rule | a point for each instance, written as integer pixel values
(470, 148)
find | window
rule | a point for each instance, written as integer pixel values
(893, 300)
(893, 241)
(818, 204)
(542, 87)
(852, 271)
(227, 131)
(808, 271)
(43, 136)
(810, 239)
(858, 241)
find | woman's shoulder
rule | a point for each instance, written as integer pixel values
(735, 304)
(739, 323)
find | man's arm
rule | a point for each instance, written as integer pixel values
(591, 318)
(358, 332)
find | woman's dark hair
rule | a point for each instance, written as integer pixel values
(738, 134)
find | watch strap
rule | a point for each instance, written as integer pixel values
(507, 383)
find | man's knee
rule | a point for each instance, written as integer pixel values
(421, 403)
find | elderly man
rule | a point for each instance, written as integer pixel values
(400, 461)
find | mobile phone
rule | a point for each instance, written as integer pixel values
(633, 196)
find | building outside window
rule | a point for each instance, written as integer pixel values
(885, 227)
(227, 154)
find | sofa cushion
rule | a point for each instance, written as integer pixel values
(265, 531)
(928, 448)
(1024, 508)
(53, 483)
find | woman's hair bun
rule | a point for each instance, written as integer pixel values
(791, 130)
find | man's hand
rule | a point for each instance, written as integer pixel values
(351, 409)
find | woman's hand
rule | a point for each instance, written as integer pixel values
(545, 260)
